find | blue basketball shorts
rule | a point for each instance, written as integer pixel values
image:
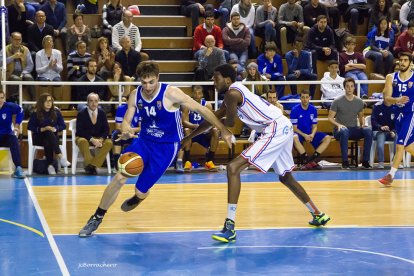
(157, 157)
(202, 139)
(405, 129)
(317, 140)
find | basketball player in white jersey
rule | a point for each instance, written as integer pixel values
(273, 149)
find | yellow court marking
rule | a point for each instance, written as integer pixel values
(23, 226)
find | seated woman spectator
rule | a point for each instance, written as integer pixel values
(116, 74)
(45, 123)
(78, 31)
(379, 45)
(380, 9)
(104, 56)
(111, 15)
(254, 75)
(48, 61)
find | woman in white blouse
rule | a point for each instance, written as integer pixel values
(48, 61)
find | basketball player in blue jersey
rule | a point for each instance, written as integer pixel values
(399, 91)
(209, 140)
(158, 105)
(273, 149)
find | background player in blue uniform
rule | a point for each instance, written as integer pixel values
(159, 140)
(399, 91)
(304, 118)
(135, 126)
(209, 140)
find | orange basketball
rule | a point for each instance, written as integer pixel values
(130, 164)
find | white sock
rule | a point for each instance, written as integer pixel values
(393, 171)
(231, 211)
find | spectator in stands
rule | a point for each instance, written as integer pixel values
(9, 131)
(205, 29)
(195, 8)
(406, 14)
(331, 91)
(272, 98)
(321, 42)
(19, 66)
(92, 129)
(333, 13)
(87, 7)
(126, 28)
(224, 10)
(379, 45)
(266, 19)
(352, 65)
(111, 15)
(48, 61)
(209, 57)
(380, 9)
(76, 61)
(209, 140)
(18, 21)
(299, 64)
(45, 123)
(236, 38)
(383, 127)
(104, 56)
(128, 57)
(247, 17)
(312, 10)
(83, 91)
(270, 65)
(254, 75)
(304, 118)
(116, 74)
(290, 17)
(355, 13)
(78, 31)
(56, 17)
(405, 41)
(343, 114)
(240, 71)
(135, 127)
(37, 31)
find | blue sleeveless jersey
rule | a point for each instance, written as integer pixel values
(158, 124)
(196, 118)
(403, 88)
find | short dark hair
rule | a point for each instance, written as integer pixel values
(75, 15)
(209, 13)
(234, 14)
(332, 61)
(349, 80)
(406, 54)
(227, 71)
(305, 91)
(270, 46)
(89, 61)
(322, 16)
(147, 68)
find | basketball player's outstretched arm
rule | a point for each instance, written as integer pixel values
(388, 92)
(179, 98)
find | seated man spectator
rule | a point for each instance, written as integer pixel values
(56, 17)
(208, 59)
(83, 91)
(266, 18)
(76, 61)
(333, 13)
(92, 129)
(126, 28)
(290, 17)
(9, 131)
(304, 117)
(195, 8)
(19, 67)
(272, 98)
(343, 114)
(247, 17)
(355, 13)
(36, 32)
(312, 10)
(321, 42)
(405, 41)
(383, 127)
(241, 73)
(352, 65)
(135, 127)
(128, 57)
(270, 64)
(224, 11)
(236, 38)
(299, 64)
(209, 140)
(205, 29)
(331, 91)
